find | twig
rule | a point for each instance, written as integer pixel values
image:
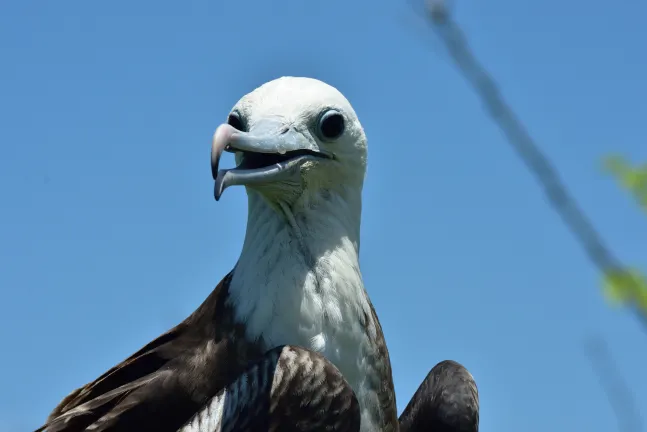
(620, 398)
(558, 196)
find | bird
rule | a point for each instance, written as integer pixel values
(301, 155)
(289, 339)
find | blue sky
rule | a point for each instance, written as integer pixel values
(109, 234)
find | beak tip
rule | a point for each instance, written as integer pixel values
(220, 185)
(217, 192)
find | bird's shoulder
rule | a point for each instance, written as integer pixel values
(164, 382)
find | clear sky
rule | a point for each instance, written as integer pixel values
(109, 234)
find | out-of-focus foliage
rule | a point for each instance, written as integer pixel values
(632, 178)
(628, 285)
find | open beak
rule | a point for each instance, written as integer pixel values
(271, 152)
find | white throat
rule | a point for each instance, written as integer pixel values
(298, 282)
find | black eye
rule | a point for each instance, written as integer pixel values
(235, 121)
(331, 124)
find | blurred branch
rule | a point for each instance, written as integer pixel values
(558, 196)
(617, 391)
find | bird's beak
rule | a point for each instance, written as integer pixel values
(271, 152)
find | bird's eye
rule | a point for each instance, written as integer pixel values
(331, 124)
(235, 121)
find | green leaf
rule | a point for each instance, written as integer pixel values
(632, 178)
(626, 286)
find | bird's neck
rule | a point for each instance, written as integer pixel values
(296, 260)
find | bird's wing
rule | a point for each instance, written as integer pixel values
(163, 384)
(144, 363)
(81, 416)
(290, 389)
(386, 395)
(447, 400)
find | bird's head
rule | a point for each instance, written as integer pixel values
(292, 137)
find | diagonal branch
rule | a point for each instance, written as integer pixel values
(558, 196)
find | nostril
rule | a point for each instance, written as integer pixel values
(285, 130)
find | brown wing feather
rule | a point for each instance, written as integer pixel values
(447, 400)
(386, 396)
(81, 416)
(146, 361)
(163, 384)
(291, 389)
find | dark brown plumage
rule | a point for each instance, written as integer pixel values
(184, 371)
(291, 389)
(162, 385)
(446, 401)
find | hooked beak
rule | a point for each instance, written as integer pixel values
(271, 152)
